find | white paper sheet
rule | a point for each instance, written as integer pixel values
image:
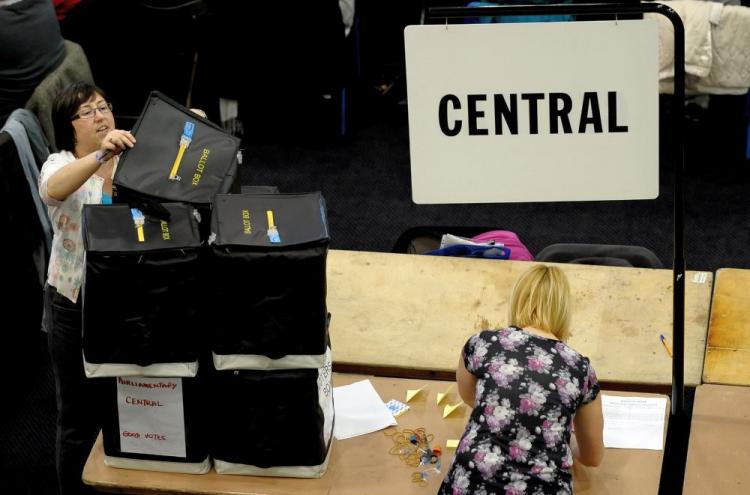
(633, 422)
(359, 410)
(151, 414)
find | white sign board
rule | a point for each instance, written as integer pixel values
(152, 419)
(533, 111)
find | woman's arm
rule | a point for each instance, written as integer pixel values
(589, 435)
(68, 179)
(467, 383)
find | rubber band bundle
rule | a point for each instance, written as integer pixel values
(413, 448)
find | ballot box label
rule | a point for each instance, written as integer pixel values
(152, 419)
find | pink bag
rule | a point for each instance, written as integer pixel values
(508, 239)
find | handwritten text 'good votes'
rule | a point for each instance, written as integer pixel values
(453, 113)
(147, 436)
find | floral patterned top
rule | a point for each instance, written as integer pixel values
(517, 440)
(66, 259)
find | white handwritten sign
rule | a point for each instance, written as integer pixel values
(152, 418)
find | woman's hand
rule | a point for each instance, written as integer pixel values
(114, 143)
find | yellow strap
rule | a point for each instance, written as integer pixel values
(269, 215)
(176, 164)
(141, 237)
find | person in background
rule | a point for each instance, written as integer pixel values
(527, 389)
(64, 7)
(31, 47)
(81, 173)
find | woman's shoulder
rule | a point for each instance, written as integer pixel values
(55, 162)
(512, 338)
(572, 357)
(489, 334)
(507, 338)
(59, 158)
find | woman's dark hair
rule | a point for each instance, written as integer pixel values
(65, 106)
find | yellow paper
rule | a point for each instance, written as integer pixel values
(410, 394)
(451, 444)
(449, 409)
(443, 395)
(141, 237)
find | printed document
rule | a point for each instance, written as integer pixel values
(633, 422)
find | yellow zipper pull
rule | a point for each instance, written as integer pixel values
(138, 220)
(273, 232)
(185, 140)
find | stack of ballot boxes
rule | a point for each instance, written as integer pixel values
(142, 336)
(272, 402)
(178, 274)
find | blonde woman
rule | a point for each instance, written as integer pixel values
(527, 388)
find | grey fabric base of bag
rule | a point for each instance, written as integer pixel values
(259, 362)
(318, 471)
(163, 466)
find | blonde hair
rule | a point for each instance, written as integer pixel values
(541, 299)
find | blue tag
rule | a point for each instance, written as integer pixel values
(187, 131)
(273, 236)
(138, 216)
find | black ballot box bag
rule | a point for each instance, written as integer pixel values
(153, 423)
(178, 156)
(141, 292)
(268, 279)
(272, 423)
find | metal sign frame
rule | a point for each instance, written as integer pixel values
(678, 418)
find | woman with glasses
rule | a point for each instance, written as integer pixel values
(81, 173)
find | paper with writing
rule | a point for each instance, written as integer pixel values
(152, 418)
(633, 422)
(396, 408)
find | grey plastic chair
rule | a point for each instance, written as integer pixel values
(600, 254)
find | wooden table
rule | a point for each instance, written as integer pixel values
(718, 458)
(409, 315)
(728, 350)
(362, 465)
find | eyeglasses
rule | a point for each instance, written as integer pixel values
(89, 112)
